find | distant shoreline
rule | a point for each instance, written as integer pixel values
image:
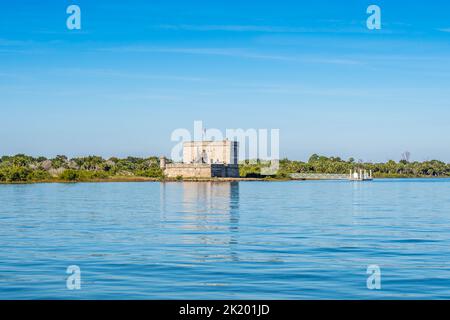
(144, 179)
(23, 169)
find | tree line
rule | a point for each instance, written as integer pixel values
(23, 168)
(322, 164)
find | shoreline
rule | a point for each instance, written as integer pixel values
(145, 179)
(23, 169)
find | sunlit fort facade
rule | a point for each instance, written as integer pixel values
(205, 159)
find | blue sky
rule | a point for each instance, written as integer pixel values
(137, 70)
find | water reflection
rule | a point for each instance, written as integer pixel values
(206, 217)
(210, 197)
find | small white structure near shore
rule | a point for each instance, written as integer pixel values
(361, 175)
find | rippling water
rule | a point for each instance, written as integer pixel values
(248, 240)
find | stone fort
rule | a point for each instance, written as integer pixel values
(205, 159)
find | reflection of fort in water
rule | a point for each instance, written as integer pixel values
(207, 215)
(210, 197)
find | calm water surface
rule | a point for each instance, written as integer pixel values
(248, 240)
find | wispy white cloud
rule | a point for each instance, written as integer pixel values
(235, 28)
(9, 43)
(62, 33)
(136, 97)
(331, 26)
(444, 30)
(10, 46)
(342, 61)
(122, 74)
(14, 76)
(230, 52)
(299, 90)
(233, 52)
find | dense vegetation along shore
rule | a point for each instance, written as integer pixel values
(23, 169)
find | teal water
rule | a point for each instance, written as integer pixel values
(247, 240)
